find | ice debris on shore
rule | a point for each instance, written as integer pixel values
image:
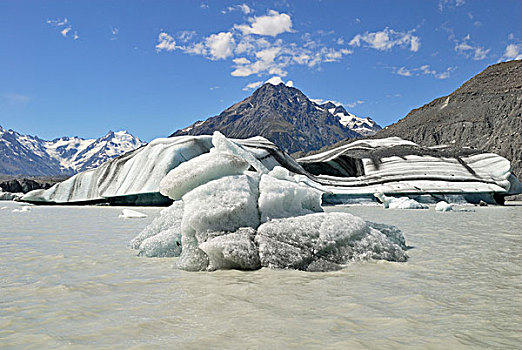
(227, 216)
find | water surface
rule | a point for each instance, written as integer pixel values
(69, 281)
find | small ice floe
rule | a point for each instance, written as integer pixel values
(23, 209)
(443, 206)
(131, 214)
(399, 203)
(3, 208)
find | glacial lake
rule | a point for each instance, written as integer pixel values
(69, 281)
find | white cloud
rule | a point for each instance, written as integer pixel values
(243, 8)
(260, 54)
(265, 62)
(115, 31)
(253, 86)
(66, 32)
(468, 49)
(58, 22)
(443, 4)
(272, 24)
(387, 39)
(512, 52)
(423, 70)
(355, 103)
(186, 35)
(165, 42)
(220, 45)
(405, 72)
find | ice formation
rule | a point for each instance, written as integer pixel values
(399, 203)
(131, 214)
(232, 217)
(443, 206)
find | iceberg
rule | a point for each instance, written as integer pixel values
(226, 220)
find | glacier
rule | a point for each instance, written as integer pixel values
(230, 216)
(348, 174)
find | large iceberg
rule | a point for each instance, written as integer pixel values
(245, 217)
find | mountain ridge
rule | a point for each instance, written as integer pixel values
(30, 155)
(484, 113)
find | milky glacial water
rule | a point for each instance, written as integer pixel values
(69, 281)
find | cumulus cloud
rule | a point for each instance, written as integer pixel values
(165, 42)
(423, 70)
(255, 49)
(272, 24)
(220, 45)
(386, 39)
(65, 28)
(471, 50)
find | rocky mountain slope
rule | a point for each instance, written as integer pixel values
(485, 113)
(285, 116)
(30, 155)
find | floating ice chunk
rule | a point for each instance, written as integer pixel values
(282, 197)
(225, 205)
(23, 209)
(232, 251)
(131, 214)
(3, 208)
(192, 258)
(322, 240)
(165, 244)
(224, 145)
(200, 170)
(170, 218)
(399, 203)
(443, 206)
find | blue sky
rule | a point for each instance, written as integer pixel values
(80, 68)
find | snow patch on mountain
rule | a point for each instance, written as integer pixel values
(30, 155)
(363, 126)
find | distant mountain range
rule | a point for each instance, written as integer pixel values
(485, 113)
(285, 116)
(30, 155)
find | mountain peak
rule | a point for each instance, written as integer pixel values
(283, 115)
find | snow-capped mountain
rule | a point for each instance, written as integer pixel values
(363, 126)
(288, 118)
(30, 155)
